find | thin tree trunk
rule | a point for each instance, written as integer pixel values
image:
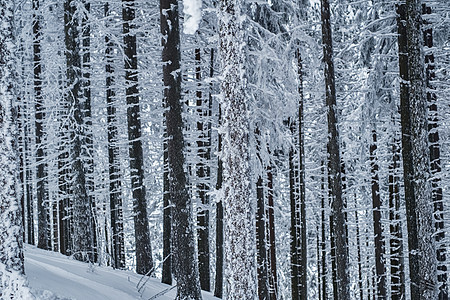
(202, 186)
(261, 244)
(396, 240)
(380, 269)
(83, 241)
(183, 241)
(144, 261)
(115, 185)
(339, 249)
(43, 208)
(167, 218)
(271, 251)
(435, 158)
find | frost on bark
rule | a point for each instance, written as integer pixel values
(144, 261)
(298, 198)
(339, 253)
(184, 256)
(83, 241)
(416, 159)
(240, 269)
(41, 193)
(115, 186)
(12, 278)
(435, 157)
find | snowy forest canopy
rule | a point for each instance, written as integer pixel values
(254, 150)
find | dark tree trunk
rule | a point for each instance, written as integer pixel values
(144, 261)
(297, 195)
(380, 269)
(416, 157)
(43, 208)
(83, 237)
(167, 218)
(435, 158)
(271, 250)
(184, 254)
(218, 290)
(115, 186)
(337, 219)
(202, 187)
(88, 150)
(358, 251)
(395, 230)
(323, 246)
(261, 243)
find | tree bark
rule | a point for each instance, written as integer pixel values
(435, 158)
(43, 208)
(144, 261)
(202, 176)
(339, 254)
(183, 241)
(240, 273)
(115, 185)
(416, 156)
(83, 237)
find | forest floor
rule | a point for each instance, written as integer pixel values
(53, 276)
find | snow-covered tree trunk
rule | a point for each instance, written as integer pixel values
(12, 278)
(419, 206)
(115, 184)
(339, 255)
(239, 232)
(83, 241)
(144, 261)
(41, 193)
(185, 261)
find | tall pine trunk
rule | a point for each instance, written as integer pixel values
(416, 159)
(115, 185)
(41, 197)
(339, 250)
(144, 261)
(435, 157)
(83, 237)
(12, 280)
(183, 240)
(202, 176)
(238, 206)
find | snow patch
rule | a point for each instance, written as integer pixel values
(193, 11)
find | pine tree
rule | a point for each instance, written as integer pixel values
(238, 207)
(12, 279)
(339, 248)
(83, 237)
(184, 256)
(144, 261)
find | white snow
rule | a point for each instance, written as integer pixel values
(53, 276)
(193, 11)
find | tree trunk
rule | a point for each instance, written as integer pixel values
(83, 238)
(144, 261)
(218, 290)
(202, 187)
(339, 254)
(239, 230)
(435, 158)
(261, 243)
(41, 197)
(115, 185)
(183, 241)
(12, 280)
(416, 158)
(380, 269)
(395, 229)
(271, 250)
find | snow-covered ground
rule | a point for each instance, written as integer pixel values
(54, 276)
